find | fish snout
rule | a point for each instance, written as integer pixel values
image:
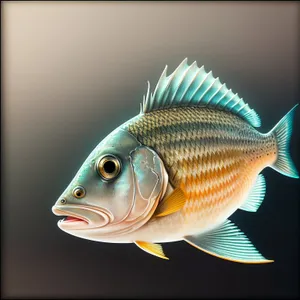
(79, 217)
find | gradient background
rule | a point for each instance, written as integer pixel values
(72, 72)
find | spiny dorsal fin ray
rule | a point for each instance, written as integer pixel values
(190, 85)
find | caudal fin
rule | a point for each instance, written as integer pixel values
(283, 131)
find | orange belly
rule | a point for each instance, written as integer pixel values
(220, 187)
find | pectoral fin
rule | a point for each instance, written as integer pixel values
(173, 203)
(154, 249)
(227, 242)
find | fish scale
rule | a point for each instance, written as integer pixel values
(213, 155)
(197, 132)
(178, 170)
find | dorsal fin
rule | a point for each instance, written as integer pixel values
(189, 85)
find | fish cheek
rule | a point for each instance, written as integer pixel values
(118, 195)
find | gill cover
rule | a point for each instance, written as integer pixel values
(150, 181)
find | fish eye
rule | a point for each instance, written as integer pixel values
(109, 167)
(63, 201)
(79, 192)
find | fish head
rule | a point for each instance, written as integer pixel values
(115, 191)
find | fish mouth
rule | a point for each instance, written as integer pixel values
(81, 217)
(70, 220)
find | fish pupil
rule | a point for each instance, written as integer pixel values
(109, 167)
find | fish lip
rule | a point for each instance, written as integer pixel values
(60, 212)
(83, 222)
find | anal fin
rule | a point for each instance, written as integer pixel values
(256, 195)
(227, 242)
(154, 249)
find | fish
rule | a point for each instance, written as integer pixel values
(178, 170)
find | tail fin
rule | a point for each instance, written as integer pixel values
(282, 132)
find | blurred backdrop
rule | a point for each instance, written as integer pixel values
(71, 73)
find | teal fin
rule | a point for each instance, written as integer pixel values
(256, 195)
(282, 132)
(227, 242)
(189, 85)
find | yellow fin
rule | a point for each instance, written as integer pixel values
(173, 203)
(154, 249)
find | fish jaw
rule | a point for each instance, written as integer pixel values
(83, 217)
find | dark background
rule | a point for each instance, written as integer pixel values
(72, 72)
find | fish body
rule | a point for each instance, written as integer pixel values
(185, 164)
(213, 156)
